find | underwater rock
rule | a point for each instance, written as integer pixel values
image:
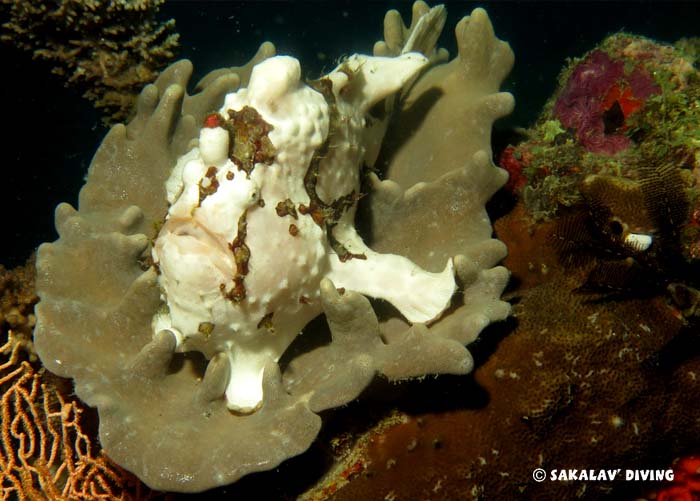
(105, 318)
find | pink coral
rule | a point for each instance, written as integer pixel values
(599, 96)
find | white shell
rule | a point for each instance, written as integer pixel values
(639, 241)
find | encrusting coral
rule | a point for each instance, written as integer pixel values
(106, 318)
(625, 103)
(107, 49)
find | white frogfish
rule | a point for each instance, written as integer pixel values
(263, 209)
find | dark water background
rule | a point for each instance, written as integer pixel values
(50, 133)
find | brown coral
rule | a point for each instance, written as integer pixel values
(577, 384)
(108, 49)
(17, 300)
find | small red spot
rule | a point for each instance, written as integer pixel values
(353, 470)
(625, 99)
(317, 216)
(212, 121)
(695, 217)
(514, 166)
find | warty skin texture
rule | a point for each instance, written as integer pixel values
(280, 285)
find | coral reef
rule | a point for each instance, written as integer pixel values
(574, 383)
(48, 449)
(107, 49)
(626, 103)
(599, 366)
(99, 285)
